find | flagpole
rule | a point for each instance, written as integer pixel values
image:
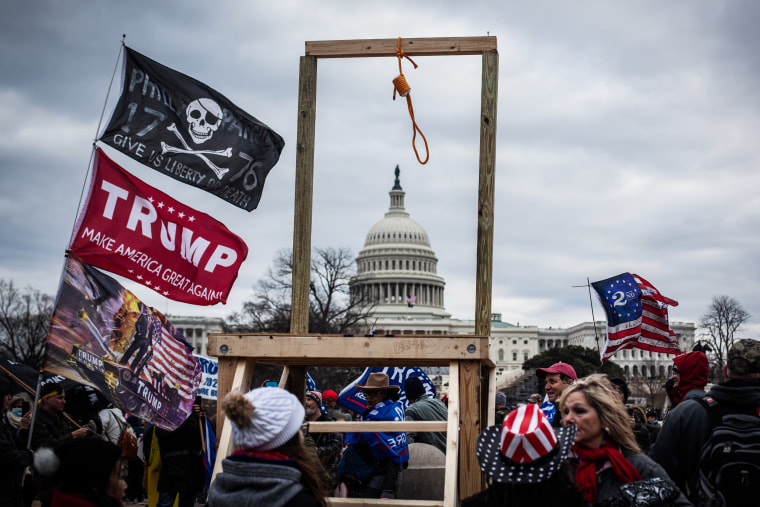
(593, 318)
(34, 410)
(97, 131)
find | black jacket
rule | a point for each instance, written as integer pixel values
(687, 427)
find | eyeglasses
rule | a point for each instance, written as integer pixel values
(373, 394)
(675, 370)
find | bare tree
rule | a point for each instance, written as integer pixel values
(651, 388)
(724, 318)
(24, 320)
(331, 310)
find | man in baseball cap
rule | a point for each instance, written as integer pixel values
(688, 425)
(556, 378)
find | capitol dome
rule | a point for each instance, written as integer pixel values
(396, 271)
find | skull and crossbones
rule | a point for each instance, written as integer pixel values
(204, 116)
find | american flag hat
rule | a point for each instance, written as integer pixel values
(525, 449)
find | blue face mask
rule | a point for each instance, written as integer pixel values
(16, 411)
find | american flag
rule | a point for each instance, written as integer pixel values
(637, 315)
(173, 360)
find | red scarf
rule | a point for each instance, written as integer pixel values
(273, 455)
(585, 475)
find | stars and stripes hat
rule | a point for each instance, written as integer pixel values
(525, 449)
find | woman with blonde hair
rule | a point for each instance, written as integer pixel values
(605, 454)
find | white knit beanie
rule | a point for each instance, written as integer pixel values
(263, 419)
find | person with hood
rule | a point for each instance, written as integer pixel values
(271, 466)
(14, 456)
(690, 372)
(687, 427)
(87, 472)
(372, 465)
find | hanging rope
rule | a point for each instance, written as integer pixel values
(402, 87)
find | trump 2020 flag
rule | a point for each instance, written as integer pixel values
(353, 398)
(182, 128)
(637, 315)
(129, 228)
(103, 336)
(548, 408)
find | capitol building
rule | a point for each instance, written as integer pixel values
(396, 271)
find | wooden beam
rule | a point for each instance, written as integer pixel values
(333, 350)
(304, 188)
(240, 380)
(432, 46)
(486, 185)
(373, 426)
(373, 502)
(469, 428)
(452, 439)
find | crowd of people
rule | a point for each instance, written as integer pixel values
(584, 445)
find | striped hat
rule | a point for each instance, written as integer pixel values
(525, 449)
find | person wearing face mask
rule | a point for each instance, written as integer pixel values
(14, 456)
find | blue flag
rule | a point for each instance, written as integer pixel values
(548, 408)
(209, 451)
(352, 397)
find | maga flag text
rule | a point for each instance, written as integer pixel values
(131, 229)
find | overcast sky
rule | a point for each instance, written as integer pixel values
(626, 138)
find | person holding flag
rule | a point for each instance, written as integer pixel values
(14, 456)
(372, 465)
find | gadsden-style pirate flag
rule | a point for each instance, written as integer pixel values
(182, 128)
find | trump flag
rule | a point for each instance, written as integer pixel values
(103, 336)
(129, 228)
(180, 127)
(353, 398)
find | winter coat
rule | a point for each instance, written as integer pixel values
(608, 485)
(248, 481)
(328, 445)
(51, 429)
(182, 468)
(427, 409)
(113, 423)
(14, 458)
(687, 427)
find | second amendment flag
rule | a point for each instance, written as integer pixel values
(637, 315)
(182, 128)
(129, 228)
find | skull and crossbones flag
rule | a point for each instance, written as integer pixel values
(182, 128)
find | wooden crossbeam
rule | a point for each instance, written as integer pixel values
(432, 46)
(333, 350)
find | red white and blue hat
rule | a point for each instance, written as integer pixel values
(525, 449)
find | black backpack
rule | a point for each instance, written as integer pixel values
(729, 463)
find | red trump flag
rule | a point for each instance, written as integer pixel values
(134, 230)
